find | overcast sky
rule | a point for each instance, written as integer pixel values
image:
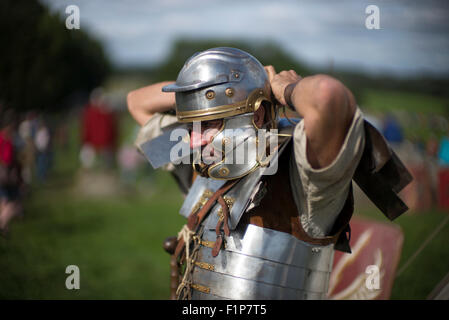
(413, 35)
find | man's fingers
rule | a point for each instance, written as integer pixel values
(270, 71)
(280, 80)
(295, 75)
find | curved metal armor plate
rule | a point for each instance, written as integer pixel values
(256, 262)
(243, 194)
(260, 263)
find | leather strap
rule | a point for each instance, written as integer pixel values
(288, 94)
(195, 218)
(339, 229)
(217, 246)
(224, 221)
(225, 209)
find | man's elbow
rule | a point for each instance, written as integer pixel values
(333, 99)
(130, 102)
(133, 107)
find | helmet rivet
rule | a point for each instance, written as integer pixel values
(229, 92)
(226, 140)
(210, 94)
(223, 172)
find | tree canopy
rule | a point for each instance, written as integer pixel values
(266, 52)
(270, 53)
(43, 63)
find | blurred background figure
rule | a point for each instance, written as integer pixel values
(42, 141)
(99, 131)
(10, 175)
(392, 130)
(443, 173)
(87, 156)
(129, 160)
(443, 151)
(27, 131)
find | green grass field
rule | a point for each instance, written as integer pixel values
(431, 265)
(117, 241)
(117, 244)
(387, 100)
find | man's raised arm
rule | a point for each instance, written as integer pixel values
(146, 101)
(326, 106)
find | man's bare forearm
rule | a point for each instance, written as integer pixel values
(143, 103)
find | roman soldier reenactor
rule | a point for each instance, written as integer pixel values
(264, 227)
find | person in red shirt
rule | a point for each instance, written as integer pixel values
(10, 178)
(99, 127)
(6, 147)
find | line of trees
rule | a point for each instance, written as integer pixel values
(271, 53)
(42, 63)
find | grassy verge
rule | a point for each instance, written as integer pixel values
(431, 264)
(117, 244)
(387, 101)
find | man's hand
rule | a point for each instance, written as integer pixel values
(326, 106)
(280, 81)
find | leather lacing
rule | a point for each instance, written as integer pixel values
(183, 292)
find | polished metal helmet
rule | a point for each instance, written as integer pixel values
(223, 83)
(219, 83)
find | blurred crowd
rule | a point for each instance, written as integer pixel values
(27, 142)
(25, 155)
